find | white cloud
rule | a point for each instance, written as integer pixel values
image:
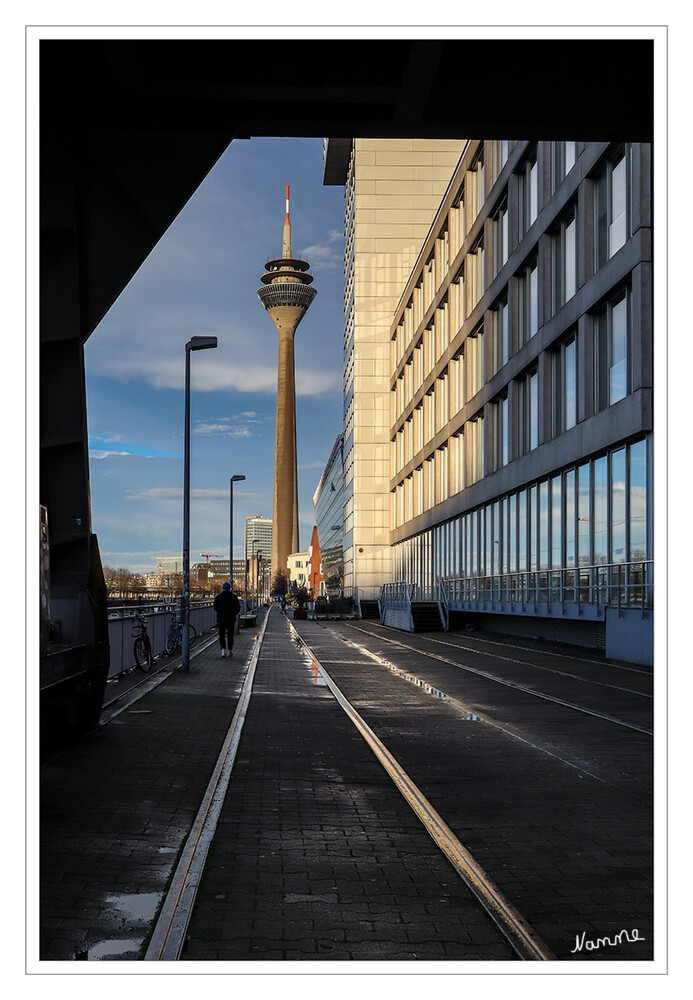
(243, 425)
(176, 493)
(107, 454)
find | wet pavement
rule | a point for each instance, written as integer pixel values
(316, 855)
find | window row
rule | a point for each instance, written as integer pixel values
(612, 225)
(596, 513)
(518, 423)
(448, 470)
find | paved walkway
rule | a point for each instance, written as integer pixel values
(317, 856)
(116, 808)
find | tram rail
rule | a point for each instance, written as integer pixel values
(168, 938)
(525, 689)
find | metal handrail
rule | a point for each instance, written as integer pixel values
(601, 585)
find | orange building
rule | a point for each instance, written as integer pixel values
(315, 577)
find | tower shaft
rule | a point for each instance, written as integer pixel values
(285, 502)
(286, 295)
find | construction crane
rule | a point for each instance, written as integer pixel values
(208, 556)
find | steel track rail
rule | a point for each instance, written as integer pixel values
(511, 684)
(168, 937)
(524, 940)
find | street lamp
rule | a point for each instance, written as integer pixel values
(253, 543)
(232, 480)
(257, 580)
(194, 344)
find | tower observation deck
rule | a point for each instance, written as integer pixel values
(286, 294)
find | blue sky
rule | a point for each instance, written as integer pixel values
(201, 279)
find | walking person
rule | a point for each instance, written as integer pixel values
(283, 604)
(227, 607)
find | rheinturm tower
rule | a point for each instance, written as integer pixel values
(286, 295)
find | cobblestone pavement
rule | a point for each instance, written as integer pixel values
(316, 855)
(115, 809)
(556, 805)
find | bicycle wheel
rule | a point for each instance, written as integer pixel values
(192, 634)
(172, 640)
(143, 654)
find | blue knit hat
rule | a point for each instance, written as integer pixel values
(226, 586)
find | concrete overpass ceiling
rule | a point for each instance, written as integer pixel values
(129, 129)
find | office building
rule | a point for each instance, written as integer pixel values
(521, 435)
(258, 536)
(392, 190)
(328, 504)
(169, 564)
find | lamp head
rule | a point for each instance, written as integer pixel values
(201, 343)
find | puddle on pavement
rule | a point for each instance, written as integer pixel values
(127, 912)
(114, 949)
(315, 671)
(135, 907)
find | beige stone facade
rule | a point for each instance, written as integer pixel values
(392, 191)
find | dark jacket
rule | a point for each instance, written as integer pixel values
(227, 607)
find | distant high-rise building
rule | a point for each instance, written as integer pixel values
(258, 536)
(169, 564)
(286, 295)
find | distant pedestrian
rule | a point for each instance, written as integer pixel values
(283, 604)
(227, 607)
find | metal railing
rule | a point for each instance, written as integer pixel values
(621, 585)
(159, 618)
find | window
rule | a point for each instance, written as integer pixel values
(457, 303)
(611, 352)
(457, 229)
(565, 386)
(457, 395)
(529, 192)
(500, 238)
(429, 285)
(457, 463)
(564, 261)
(475, 189)
(474, 356)
(499, 150)
(528, 301)
(611, 207)
(474, 438)
(563, 159)
(528, 393)
(475, 273)
(500, 325)
(502, 430)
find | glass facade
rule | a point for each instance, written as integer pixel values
(508, 473)
(597, 514)
(328, 504)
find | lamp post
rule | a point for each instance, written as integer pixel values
(194, 344)
(257, 580)
(255, 572)
(232, 480)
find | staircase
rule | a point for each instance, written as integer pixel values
(426, 616)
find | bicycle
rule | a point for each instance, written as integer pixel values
(174, 637)
(144, 656)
